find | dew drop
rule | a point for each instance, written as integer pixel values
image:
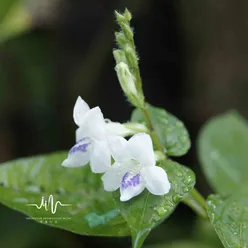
(179, 174)
(33, 188)
(212, 218)
(188, 180)
(176, 198)
(161, 211)
(185, 189)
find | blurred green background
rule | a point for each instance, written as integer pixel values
(194, 60)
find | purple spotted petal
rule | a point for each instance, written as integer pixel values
(128, 181)
(79, 154)
(131, 186)
(81, 146)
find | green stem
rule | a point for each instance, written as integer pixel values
(196, 202)
(139, 238)
(153, 133)
(194, 199)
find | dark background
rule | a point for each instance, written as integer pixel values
(193, 61)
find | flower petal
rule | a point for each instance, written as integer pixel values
(94, 124)
(100, 160)
(80, 109)
(156, 180)
(116, 128)
(113, 177)
(81, 132)
(79, 154)
(118, 148)
(132, 185)
(141, 149)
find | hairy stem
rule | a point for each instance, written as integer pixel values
(153, 133)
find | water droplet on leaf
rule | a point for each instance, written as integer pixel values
(161, 210)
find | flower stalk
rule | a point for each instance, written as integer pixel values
(127, 61)
(197, 202)
(128, 73)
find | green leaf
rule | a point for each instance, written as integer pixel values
(14, 19)
(230, 219)
(145, 211)
(172, 133)
(92, 210)
(222, 150)
(181, 244)
(5, 6)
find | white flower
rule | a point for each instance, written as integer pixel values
(92, 139)
(135, 168)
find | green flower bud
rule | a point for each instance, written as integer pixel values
(128, 15)
(131, 56)
(119, 56)
(127, 59)
(127, 82)
(120, 39)
(127, 31)
(119, 17)
(123, 18)
(126, 78)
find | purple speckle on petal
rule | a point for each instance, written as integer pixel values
(125, 177)
(130, 181)
(80, 146)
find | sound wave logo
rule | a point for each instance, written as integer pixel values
(49, 204)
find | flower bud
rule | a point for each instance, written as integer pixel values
(128, 15)
(120, 39)
(127, 31)
(131, 56)
(119, 17)
(126, 78)
(119, 56)
(128, 85)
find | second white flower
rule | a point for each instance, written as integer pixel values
(135, 168)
